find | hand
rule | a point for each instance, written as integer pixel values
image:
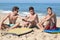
(24, 20)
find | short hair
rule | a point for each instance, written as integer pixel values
(49, 8)
(15, 8)
(31, 8)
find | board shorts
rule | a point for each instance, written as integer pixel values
(53, 26)
(10, 25)
(48, 27)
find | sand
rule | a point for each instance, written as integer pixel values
(35, 35)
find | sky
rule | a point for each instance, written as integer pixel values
(29, 1)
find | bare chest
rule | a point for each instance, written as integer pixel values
(32, 17)
(13, 17)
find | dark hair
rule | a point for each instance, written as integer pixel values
(31, 8)
(15, 8)
(49, 8)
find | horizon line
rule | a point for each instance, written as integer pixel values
(50, 3)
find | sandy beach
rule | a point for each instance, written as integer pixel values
(35, 35)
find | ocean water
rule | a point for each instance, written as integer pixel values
(40, 8)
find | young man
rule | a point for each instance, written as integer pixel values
(12, 19)
(49, 22)
(32, 18)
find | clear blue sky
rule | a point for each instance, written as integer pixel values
(29, 1)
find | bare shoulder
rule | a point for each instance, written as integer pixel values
(8, 14)
(53, 14)
(36, 15)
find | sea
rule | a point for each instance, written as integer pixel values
(40, 8)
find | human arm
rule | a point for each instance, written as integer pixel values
(47, 18)
(3, 21)
(5, 18)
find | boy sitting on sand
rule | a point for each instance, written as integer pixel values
(31, 19)
(49, 22)
(12, 19)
